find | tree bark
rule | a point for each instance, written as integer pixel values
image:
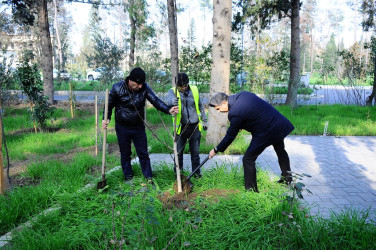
(220, 74)
(45, 43)
(294, 81)
(372, 96)
(58, 40)
(312, 47)
(132, 45)
(172, 26)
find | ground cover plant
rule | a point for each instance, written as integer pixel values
(218, 214)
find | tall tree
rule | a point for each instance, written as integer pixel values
(329, 57)
(138, 15)
(24, 11)
(263, 13)
(294, 81)
(220, 74)
(58, 38)
(309, 13)
(368, 10)
(62, 22)
(205, 6)
(173, 31)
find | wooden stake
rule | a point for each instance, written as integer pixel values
(35, 125)
(71, 99)
(96, 125)
(1, 159)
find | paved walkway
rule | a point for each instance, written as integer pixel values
(343, 169)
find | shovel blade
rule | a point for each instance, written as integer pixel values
(186, 185)
(101, 184)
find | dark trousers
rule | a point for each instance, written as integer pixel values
(138, 136)
(249, 162)
(192, 134)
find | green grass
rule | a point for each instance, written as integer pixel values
(343, 120)
(242, 220)
(317, 79)
(87, 219)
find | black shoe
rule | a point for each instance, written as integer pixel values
(128, 177)
(285, 181)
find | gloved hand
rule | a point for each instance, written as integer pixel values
(205, 126)
(175, 101)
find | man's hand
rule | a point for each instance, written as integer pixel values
(205, 126)
(174, 110)
(105, 124)
(175, 101)
(212, 153)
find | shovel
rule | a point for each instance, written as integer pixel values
(103, 182)
(187, 184)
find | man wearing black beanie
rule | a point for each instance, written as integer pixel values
(128, 98)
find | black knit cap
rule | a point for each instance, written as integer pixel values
(183, 79)
(137, 75)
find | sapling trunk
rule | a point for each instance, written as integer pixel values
(35, 125)
(178, 177)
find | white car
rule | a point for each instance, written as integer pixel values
(97, 73)
(64, 75)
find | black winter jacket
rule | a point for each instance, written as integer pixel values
(130, 106)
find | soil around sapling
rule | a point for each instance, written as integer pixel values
(184, 201)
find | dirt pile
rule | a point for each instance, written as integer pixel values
(183, 200)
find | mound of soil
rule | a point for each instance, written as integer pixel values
(184, 201)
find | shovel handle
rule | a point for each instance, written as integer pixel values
(194, 171)
(104, 135)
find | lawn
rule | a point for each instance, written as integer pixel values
(61, 171)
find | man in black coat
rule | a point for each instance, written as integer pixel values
(128, 98)
(268, 127)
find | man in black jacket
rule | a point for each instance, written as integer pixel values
(268, 127)
(128, 98)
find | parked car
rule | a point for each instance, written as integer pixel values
(64, 74)
(96, 74)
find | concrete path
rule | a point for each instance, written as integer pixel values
(343, 169)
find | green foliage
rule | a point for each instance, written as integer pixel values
(7, 75)
(156, 70)
(279, 62)
(106, 55)
(355, 68)
(32, 86)
(196, 63)
(330, 57)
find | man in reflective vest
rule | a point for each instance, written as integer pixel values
(190, 120)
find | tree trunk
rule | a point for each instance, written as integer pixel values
(291, 98)
(173, 31)
(372, 96)
(312, 47)
(58, 40)
(258, 37)
(133, 40)
(220, 74)
(45, 42)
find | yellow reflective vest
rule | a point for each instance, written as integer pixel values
(196, 98)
